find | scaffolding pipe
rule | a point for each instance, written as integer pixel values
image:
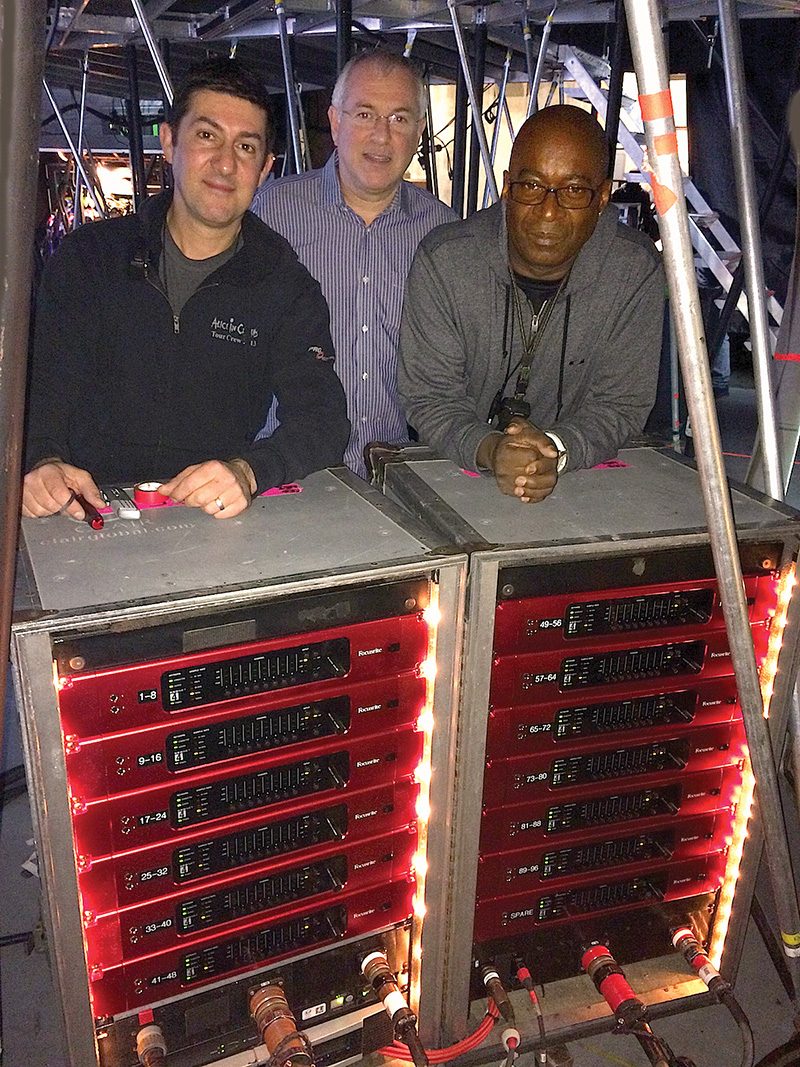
(501, 106)
(459, 145)
(22, 30)
(77, 209)
(152, 47)
(480, 71)
(614, 104)
(291, 92)
(533, 94)
(344, 33)
(135, 144)
(530, 61)
(477, 118)
(666, 180)
(431, 138)
(71, 146)
(751, 242)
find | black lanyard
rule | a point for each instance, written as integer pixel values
(531, 339)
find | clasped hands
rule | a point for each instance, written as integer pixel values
(220, 488)
(523, 460)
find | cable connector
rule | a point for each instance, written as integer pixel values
(685, 942)
(511, 1041)
(497, 991)
(375, 968)
(612, 985)
(151, 1047)
(287, 1046)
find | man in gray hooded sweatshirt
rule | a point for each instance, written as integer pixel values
(531, 332)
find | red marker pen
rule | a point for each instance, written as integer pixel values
(90, 513)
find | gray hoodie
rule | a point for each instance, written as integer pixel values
(455, 317)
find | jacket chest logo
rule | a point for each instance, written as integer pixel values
(234, 332)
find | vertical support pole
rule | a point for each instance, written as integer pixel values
(530, 60)
(22, 27)
(501, 107)
(152, 47)
(477, 121)
(344, 33)
(77, 210)
(667, 181)
(674, 385)
(751, 242)
(165, 170)
(615, 84)
(291, 92)
(477, 116)
(71, 146)
(459, 145)
(429, 141)
(533, 94)
(135, 143)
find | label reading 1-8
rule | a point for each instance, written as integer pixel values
(147, 696)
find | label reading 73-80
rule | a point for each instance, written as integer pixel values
(151, 817)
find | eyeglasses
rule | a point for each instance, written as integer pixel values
(572, 197)
(366, 120)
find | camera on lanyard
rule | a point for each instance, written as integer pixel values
(506, 408)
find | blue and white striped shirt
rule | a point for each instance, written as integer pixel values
(362, 270)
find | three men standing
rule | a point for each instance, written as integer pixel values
(356, 224)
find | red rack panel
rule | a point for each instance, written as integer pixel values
(128, 697)
(655, 711)
(627, 849)
(620, 669)
(244, 845)
(505, 917)
(138, 758)
(224, 903)
(140, 983)
(164, 812)
(578, 771)
(552, 818)
(540, 623)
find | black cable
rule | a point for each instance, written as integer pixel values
(748, 1044)
(17, 939)
(786, 1055)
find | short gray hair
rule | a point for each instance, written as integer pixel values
(384, 63)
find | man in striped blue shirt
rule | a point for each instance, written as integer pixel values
(355, 224)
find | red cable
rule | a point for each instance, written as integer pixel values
(398, 1051)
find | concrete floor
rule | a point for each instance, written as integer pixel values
(31, 1029)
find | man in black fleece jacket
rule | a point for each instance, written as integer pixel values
(162, 337)
(531, 333)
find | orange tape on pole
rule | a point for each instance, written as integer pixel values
(662, 194)
(656, 105)
(666, 144)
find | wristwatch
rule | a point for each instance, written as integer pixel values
(563, 453)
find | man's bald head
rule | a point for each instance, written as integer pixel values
(559, 155)
(563, 120)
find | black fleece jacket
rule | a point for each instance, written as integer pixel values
(121, 388)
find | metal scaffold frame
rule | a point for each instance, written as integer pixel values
(652, 73)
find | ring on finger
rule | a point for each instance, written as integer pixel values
(220, 505)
